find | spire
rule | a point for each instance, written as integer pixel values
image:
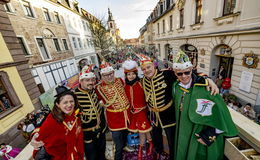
(110, 17)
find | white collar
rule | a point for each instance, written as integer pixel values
(186, 86)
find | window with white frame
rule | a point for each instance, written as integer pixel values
(84, 25)
(57, 17)
(43, 49)
(28, 9)
(74, 42)
(46, 14)
(56, 43)
(229, 6)
(80, 45)
(23, 46)
(65, 44)
(198, 11)
(8, 7)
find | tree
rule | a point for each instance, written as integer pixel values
(100, 34)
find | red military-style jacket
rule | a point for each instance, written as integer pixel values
(62, 140)
(116, 104)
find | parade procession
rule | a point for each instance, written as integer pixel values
(180, 80)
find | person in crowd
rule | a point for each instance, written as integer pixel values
(157, 87)
(111, 91)
(248, 111)
(61, 132)
(138, 117)
(92, 116)
(202, 120)
(8, 152)
(225, 86)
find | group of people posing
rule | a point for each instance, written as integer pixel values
(194, 119)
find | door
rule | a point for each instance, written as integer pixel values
(227, 63)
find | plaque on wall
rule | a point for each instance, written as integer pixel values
(250, 60)
(246, 81)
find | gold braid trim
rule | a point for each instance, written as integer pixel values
(162, 108)
(118, 110)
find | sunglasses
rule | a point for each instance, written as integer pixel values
(185, 73)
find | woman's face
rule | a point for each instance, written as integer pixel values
(67, 104)
(130, 76)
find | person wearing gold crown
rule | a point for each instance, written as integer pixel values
(92, 116)
(111, 91)
(202, 120)
(157, 87)
(138, 117)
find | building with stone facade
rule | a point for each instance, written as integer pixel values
(213, 33)
(54, 37)
(16, 84)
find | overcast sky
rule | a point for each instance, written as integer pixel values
(130, 15)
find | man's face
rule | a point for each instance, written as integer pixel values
(149, 70)
(184, 75)
(108, 77)
(88, 83)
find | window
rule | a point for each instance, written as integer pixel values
(74, 42)
(161, 8)
(84, 25)
(80, 45)
(163, 26)
(8, 97)
(28, 9)
(43, 49)
(198, 11)
(57, 17)
(158, 27)
(159, 49)
(57, 45)
(168, 2)
(229, 6)
(111, 25)
(46, 14)
(181, 17)
(25, 50)
(65, 44)
(170, 19)
(7, 7)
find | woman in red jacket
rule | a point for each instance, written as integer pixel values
(61, 132)
(138, 117)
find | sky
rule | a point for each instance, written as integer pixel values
(129, 15)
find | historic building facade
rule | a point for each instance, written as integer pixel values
(54, 37)
(18, 91)
(216, 33)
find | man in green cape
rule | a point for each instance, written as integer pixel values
(202, 120)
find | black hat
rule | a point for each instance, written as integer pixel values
(60, 90)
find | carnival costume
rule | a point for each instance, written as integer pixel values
(92, 118)
(199, 115)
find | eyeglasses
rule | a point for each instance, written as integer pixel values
(185, 73)
(108, 75)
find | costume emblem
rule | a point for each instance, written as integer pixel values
(164, 85)
(204, 107)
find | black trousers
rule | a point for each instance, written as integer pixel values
(119, 138)
(158, 140)
(96, 149)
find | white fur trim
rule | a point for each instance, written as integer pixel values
(87, 75)
(106, 70)
(129, 64)
(182, 65)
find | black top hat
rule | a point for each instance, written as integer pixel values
(61, 90)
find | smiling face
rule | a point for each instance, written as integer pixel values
(88, 83)
(184, 75)
(130, 76)
(108, 77)
(66, 104)
(149, 70)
